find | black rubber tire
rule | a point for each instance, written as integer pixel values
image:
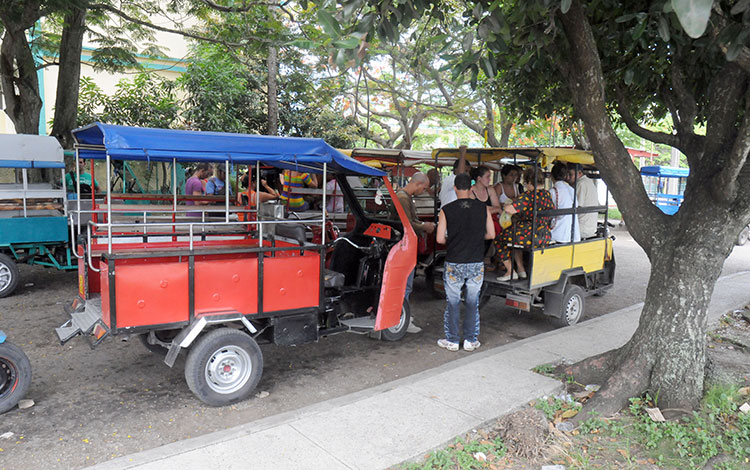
(223, 346)
(741, 238)
(484, 297)
(398, 332)
(165, 336)
(8, 267)
(15, 375)
(573, 306)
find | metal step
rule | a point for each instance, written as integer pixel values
(81, 323)
(366, 323)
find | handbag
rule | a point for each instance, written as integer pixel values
(505, 220)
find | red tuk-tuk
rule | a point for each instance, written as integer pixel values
(185, 277)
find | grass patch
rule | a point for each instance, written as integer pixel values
(718, 432)
(614, 214)
(472, 454)
(545, 369)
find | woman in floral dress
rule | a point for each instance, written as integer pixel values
(520, 233)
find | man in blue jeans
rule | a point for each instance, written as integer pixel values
(463, 225)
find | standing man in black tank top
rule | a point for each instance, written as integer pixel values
(463, 226)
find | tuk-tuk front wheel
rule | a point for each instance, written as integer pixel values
(223, 367)
(9, 275)
(573, 305)
(397, 332)
(15, 375)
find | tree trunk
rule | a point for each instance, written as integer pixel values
(666, 355)
(19, 82)
(69, 75)
(273, 104)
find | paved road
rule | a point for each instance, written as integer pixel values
(119, 399)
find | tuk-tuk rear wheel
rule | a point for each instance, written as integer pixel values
(396, 333)
(573, 305)
(15, 375)
(223, 367)
(9, 275)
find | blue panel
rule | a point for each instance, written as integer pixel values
(33, 230)
(37, 164)
(665, 171)
(15, 164)
(2, 337)
(140, 143)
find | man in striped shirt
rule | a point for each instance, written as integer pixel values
(294, 179)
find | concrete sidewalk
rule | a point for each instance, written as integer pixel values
(404, 419)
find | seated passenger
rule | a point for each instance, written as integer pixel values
(564, 198)
(521, 233)
(215, 184)
(507, 188)
(295, 179)
(251, 197)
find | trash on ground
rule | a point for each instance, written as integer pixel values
(592, 387)
(23, 404)
(480, 456)
(553, 467)
(745, 408)
(6, 435)
(655, 415)
(262, 394)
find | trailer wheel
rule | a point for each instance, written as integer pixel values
(15, 375)
(573, 305)
(223, 367)
(9, 275)
(396, 333)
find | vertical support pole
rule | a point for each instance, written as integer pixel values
(65, 193)
(226, 191)
(25, 182)
(78, 192)
(174, 197)
(323, 209)
(109, 203)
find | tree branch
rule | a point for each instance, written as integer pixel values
(125, 16)
(585, 78)
(637, 129)
(727, 181)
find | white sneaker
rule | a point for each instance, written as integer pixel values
(522, 275)
(444, 343)
(470, 346)
(508, 277)
(412, 328)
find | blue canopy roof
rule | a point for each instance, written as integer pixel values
(140, 143)
(665, 171)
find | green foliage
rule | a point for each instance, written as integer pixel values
(551, 405)
(544, 369)
(147, 100)
(223, 94)
(461, 455)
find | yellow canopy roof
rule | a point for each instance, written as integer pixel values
(545, 155)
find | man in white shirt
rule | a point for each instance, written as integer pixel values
(563, 196)
(587, 196)
(447, 192)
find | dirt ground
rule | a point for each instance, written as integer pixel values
(95, 405)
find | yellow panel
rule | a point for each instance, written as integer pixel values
(548, 264)
(589, 255)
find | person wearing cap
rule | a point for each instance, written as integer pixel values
(463, 225)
